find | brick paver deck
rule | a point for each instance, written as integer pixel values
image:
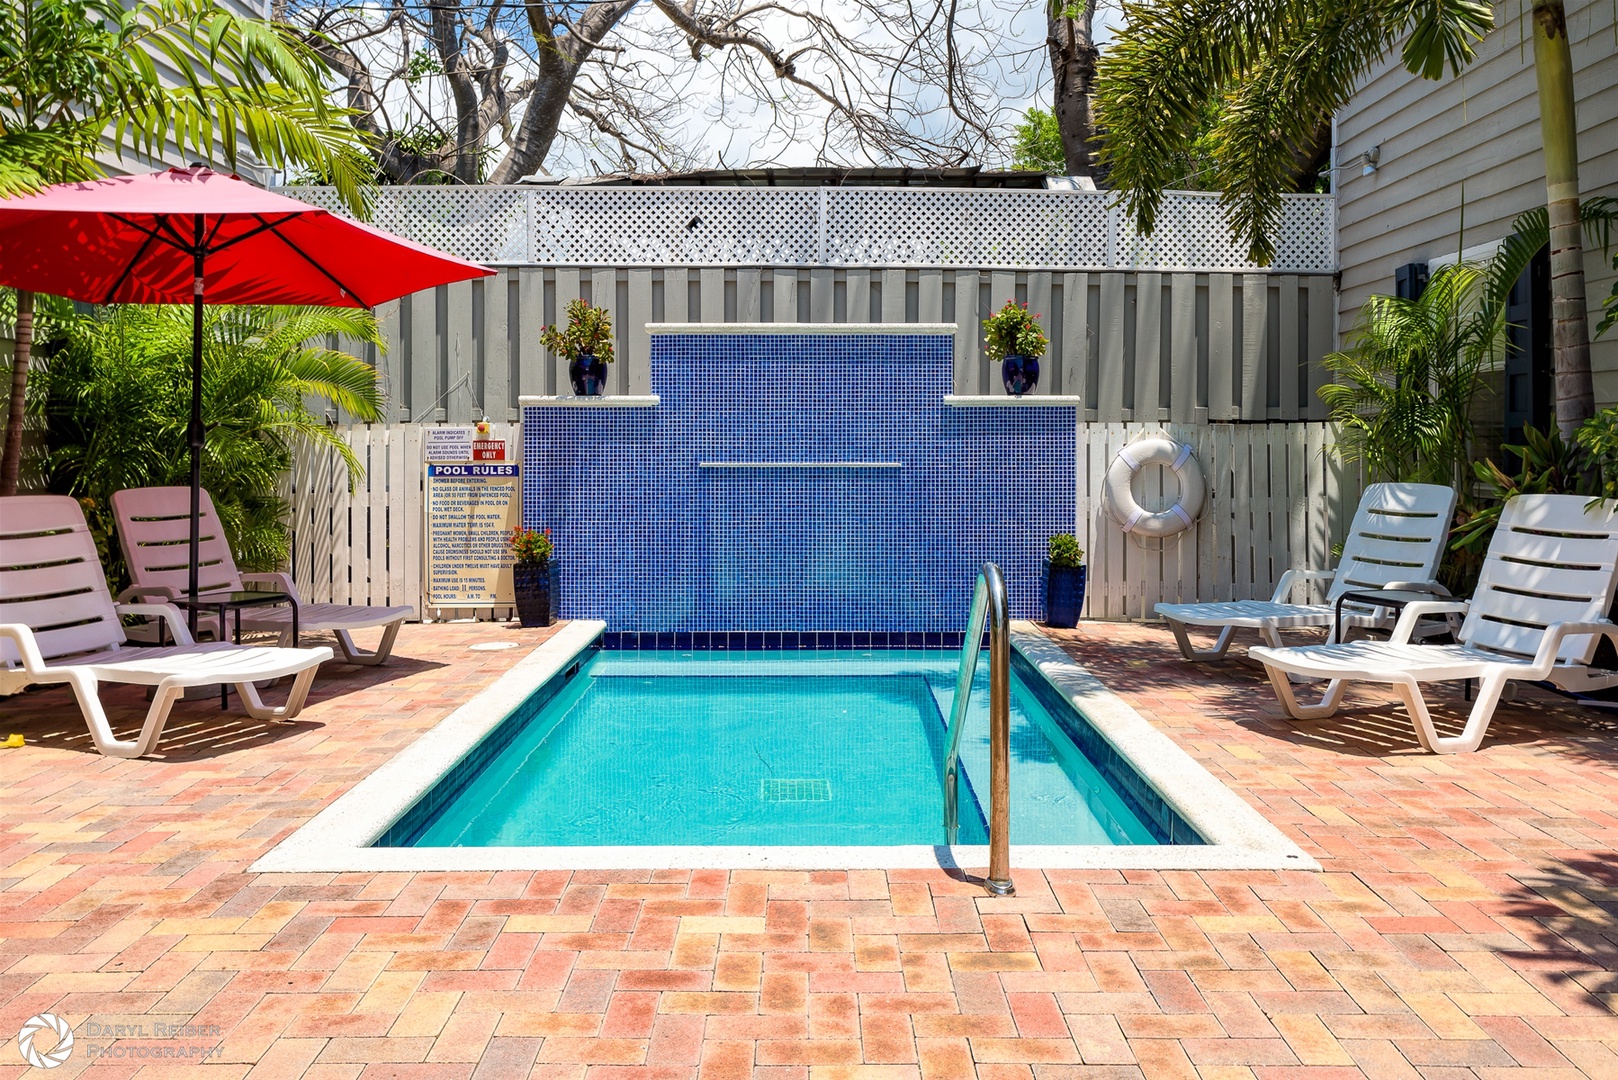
(1464, 925)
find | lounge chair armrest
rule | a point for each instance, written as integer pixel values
(281, 582)
(1556, 633)
(1413, 614)
(133, 594)
(1289, 578)
(168, 613)
(23, 637)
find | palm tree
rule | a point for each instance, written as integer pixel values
(76, 75)
(1404, 386)
(119, 403)
(1281, 67)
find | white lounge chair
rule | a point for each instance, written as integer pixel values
(154, 529)
(1396, 539)
(59, 624)
(1538, 612)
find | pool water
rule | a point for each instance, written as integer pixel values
(759, 748)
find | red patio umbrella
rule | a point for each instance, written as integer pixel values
(186, 235)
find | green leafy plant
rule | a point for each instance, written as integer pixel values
(1012, 331)
(530, 547)
(118, 399)
(588, 333)
(1547, 465)
(1065, 550)
(1404, 387)
(1597, 437)
(1036, 143)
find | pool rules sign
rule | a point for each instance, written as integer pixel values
(472, 506)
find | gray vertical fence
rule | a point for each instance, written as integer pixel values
(1136, 346)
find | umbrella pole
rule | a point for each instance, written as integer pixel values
(196, 418)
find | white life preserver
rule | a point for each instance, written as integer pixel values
(1121, 495)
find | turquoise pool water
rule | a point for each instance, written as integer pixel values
(759, 748)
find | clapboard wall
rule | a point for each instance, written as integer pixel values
(1137, 346)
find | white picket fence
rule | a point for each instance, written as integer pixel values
(1278, 498)
(365, 546)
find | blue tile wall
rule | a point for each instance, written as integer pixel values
(654, 542)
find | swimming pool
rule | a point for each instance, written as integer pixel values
(583, 758)
(770, 748)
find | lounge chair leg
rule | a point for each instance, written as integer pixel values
(1190, 652)
(1281, 682)
(352, 654)
(86, 689)
(255, 707)
(1477, 722)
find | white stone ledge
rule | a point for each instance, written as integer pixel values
(800, 464)
(824, 329)
(973, 401)
(568, 401)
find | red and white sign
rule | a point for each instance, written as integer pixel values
(488, 449)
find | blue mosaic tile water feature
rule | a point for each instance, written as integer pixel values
(796, 482)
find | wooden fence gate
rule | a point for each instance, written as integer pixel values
(1278, 498)
(365, 546)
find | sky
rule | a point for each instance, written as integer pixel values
(718, 122)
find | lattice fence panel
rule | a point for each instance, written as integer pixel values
(1190, 234)
(484, 224)
(675, 226)
(990, 229)
(1305, 242)
(853, 227)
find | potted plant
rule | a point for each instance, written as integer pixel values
(1012, 338)
(1064, 581)
(533, 575)
(587, 345)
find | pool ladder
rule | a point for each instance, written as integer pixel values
(988, 605)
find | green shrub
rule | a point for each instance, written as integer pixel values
(118, 402)
(1065, 550)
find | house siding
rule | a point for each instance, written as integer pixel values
(114, 163)
(1472, 139)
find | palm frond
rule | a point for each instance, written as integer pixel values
(1280, 66)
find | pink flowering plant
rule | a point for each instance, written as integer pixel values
(1012, 331)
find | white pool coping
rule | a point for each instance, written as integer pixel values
(339, 838)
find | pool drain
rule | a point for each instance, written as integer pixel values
(772, 790)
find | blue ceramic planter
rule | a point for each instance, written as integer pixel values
(588, 375)
(1020, 374)
(536, 590)
(1064, 594)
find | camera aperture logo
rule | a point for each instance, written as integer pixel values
(138, 1039)
(56, 1055)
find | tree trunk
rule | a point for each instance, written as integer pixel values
(11, 455)
(1570, 326)
(1073, 69)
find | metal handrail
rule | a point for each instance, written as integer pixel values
(988, 605)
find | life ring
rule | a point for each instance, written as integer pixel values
(1120, 488)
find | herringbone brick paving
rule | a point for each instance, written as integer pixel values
(1464, 925)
